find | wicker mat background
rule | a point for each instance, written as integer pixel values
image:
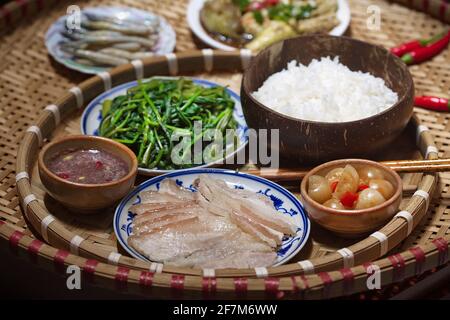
(30, 79)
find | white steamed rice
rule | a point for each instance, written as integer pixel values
(325, 91)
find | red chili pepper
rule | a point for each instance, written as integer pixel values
(362, 187)
(433, 103)
(333, 185)
(63, 175)
(259, 5)
(348, 199)
(413, 45)
(98, 164)
(425, 53)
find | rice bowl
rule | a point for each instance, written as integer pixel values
(306, 141)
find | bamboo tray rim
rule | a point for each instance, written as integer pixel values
(323, 285)
(373, 247)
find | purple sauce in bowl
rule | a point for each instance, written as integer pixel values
(89, 166)
(87, 173)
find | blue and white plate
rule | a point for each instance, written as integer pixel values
(54, 38)
(283, 201)
(92, 116)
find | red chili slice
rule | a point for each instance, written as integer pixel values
(98, 164)
(259, 5)
(363, 187)
(348, 199)
(333, 185)
(63, 175)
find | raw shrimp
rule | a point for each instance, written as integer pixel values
(125, 29)
(126, 54)
(99, 58)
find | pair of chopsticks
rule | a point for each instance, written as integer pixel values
(401, 166)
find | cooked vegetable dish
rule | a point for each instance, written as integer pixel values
(155, 116)
(258, 24)
(350, 189)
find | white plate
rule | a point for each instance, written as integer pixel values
(284, 202)
(54, 38)
(193, 17)
(92, 116)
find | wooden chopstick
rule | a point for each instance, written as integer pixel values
(402, 166)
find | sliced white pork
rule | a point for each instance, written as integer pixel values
(168, 191)
(146, 208)
(216, 227)
(221, 199)
(201, 242)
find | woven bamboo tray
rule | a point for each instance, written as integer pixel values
(92, 236)
(28, 89)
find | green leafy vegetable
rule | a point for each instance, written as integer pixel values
(257, 15)
(147, 117)
(286, 12)
(243, 4)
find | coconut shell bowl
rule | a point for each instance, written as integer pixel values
(304, 141)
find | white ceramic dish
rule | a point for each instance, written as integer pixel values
(193, 18)
(284, 202)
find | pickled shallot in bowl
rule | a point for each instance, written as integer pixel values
(350, 189)
(351, 197)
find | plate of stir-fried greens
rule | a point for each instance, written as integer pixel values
(170, 123)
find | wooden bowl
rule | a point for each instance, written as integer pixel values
(352, 223)
(310, 141)
(86, 198)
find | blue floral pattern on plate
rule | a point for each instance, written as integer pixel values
(284, 202)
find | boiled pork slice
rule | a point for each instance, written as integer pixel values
(216, 227)
(210, 240)
(168, 191)
(145, 208)
(222, 200)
